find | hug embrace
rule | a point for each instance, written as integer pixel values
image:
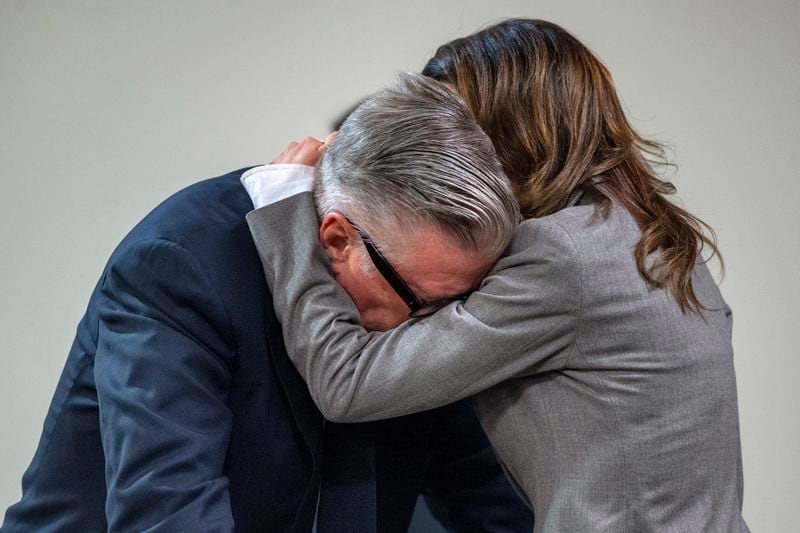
(484, 249)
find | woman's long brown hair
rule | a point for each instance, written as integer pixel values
(551, 109)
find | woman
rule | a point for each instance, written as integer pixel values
(599, 346)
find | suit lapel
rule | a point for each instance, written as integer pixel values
(307, 417)
(348, 494)
(346, 478)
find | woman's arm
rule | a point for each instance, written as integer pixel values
(521, 321)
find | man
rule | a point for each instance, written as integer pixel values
(178, 409)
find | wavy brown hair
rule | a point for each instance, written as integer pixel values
(551, 109)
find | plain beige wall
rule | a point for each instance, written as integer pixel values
(107, 107)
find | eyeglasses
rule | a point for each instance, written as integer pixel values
(418, 307)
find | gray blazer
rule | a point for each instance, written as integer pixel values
(610, 409)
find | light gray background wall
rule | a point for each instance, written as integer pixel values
(108, 107)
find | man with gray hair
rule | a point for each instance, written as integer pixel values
(178, 408)
(410, 189)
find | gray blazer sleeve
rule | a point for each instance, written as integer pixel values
(522, 320)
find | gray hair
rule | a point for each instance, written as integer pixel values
(412, 156)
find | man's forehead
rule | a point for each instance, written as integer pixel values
(436, 267)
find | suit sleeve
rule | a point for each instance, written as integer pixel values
(465, 488)
(521, 321)
(162, 384)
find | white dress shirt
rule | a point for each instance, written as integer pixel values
(269, 184)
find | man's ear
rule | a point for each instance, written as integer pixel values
(335, 235)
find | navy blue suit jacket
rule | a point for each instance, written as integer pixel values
(178, 409)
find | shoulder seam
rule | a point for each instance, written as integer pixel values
(579, 312)
(154, 240)
(577, 350)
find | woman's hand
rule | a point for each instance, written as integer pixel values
(305, 152)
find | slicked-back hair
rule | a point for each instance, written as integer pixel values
(411, 156)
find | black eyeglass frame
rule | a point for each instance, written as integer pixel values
(418, 307)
